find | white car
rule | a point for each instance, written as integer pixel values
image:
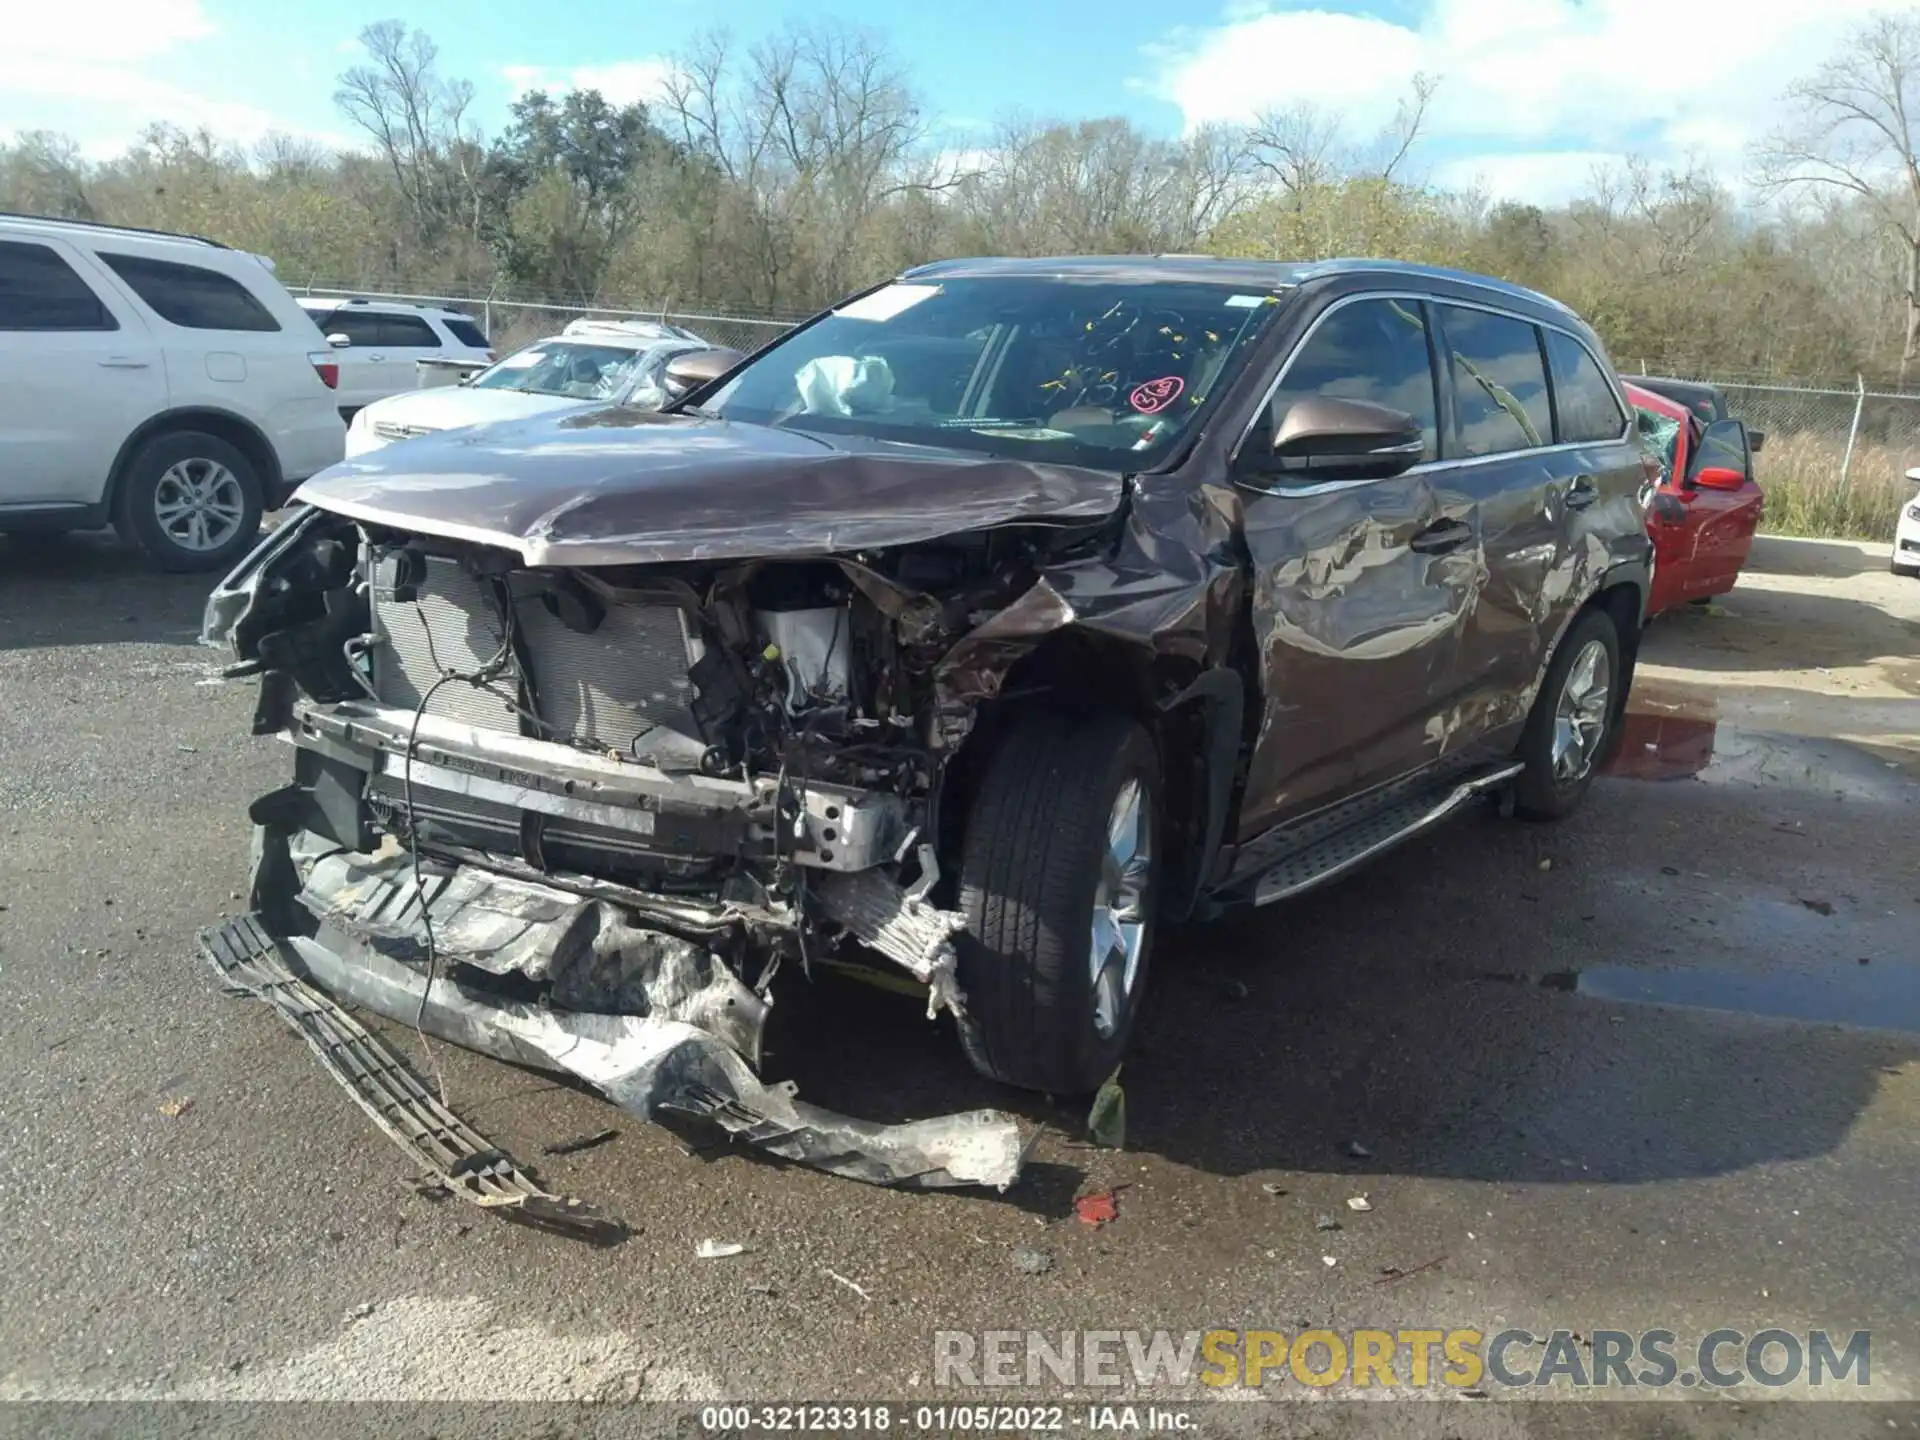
(162, 383)
(377, 342)
(593, 362)
(1906, 533)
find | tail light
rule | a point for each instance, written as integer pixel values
(326, 367)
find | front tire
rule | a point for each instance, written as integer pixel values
(1911, 572)
(1572, 720)
(1057, 881)
(191, 501)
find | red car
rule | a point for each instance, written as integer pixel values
(1705, 505)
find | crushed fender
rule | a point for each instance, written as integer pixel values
(380, 1082)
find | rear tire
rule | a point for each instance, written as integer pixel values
(1039, 875)
(190, 500)
(1572, 720)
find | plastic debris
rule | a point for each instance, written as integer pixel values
(1273, 1189)
(1546, 864)
(1819, 907)
(1328, 1260)
(1107, 1120)
(1359, 1202)
(1029, 1261)
(1358, 1151)
(1236, 989)
(174, 1108)
(718, 1249)
(1097, 1208)
(1326, 1222)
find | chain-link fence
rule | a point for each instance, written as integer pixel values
(1835, 459)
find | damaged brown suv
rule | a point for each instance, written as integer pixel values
(978, 628)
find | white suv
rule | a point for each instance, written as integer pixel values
(377, 342)
(163, 383)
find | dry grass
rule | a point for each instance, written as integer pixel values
(1800, 473)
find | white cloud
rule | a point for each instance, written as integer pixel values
(102, 30)
(1593, 77)
(1543, 177)
(622, 82)
(88, 71)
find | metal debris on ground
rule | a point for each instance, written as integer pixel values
(1391, 1273)
(1819, 907)
(1096, 1209)
(174, 1108)
(462, 1163)
(719, 1249)
(1358, 1151)
(1029, 1261)
(1107, 1119)
(1359, 1202)
(1273, 1189)
(585, 1142)
(1326, 1222)
(852, 1285)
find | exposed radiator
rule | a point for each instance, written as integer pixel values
(626, 677)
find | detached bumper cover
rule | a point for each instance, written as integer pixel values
(686, 1050)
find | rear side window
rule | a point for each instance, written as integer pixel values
(1499, 382)
(467, 333)
(191, 296)
(357, 325)
(403, 331)
(1582, 398)
(1367, 350)
(40, 291)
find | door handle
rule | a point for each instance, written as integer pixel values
(1441, 537)
(376, 357)
(1582, 493)
(124, 362)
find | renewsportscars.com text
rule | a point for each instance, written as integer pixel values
(1409, 1359)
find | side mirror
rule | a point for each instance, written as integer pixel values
(1323, 437)
(687, 372)
(339, 341)
(1718, 477)
(1913, 476)
(1723, 460)
(1756, 441)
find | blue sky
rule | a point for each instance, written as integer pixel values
(1534, 94)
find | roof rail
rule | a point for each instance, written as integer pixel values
(104, 225)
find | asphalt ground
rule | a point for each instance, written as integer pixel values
(1653, 1067)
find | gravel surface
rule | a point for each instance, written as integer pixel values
(1461, 1034)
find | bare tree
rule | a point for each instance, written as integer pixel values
(417, 118)
(1298, 147)
(1854, 133)
(1409, 120)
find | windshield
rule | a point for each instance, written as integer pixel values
(565, 367)
(1100, 371)
(1658, 433)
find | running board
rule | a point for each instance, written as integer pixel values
(252, 962)
(1327, 856)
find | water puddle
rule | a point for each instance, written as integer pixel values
(1676, 734)
(1873, 996)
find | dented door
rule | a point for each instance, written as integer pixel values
(1358, 619)
(1359, 586)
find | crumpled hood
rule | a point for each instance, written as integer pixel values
(622, 487)
(450, 407)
